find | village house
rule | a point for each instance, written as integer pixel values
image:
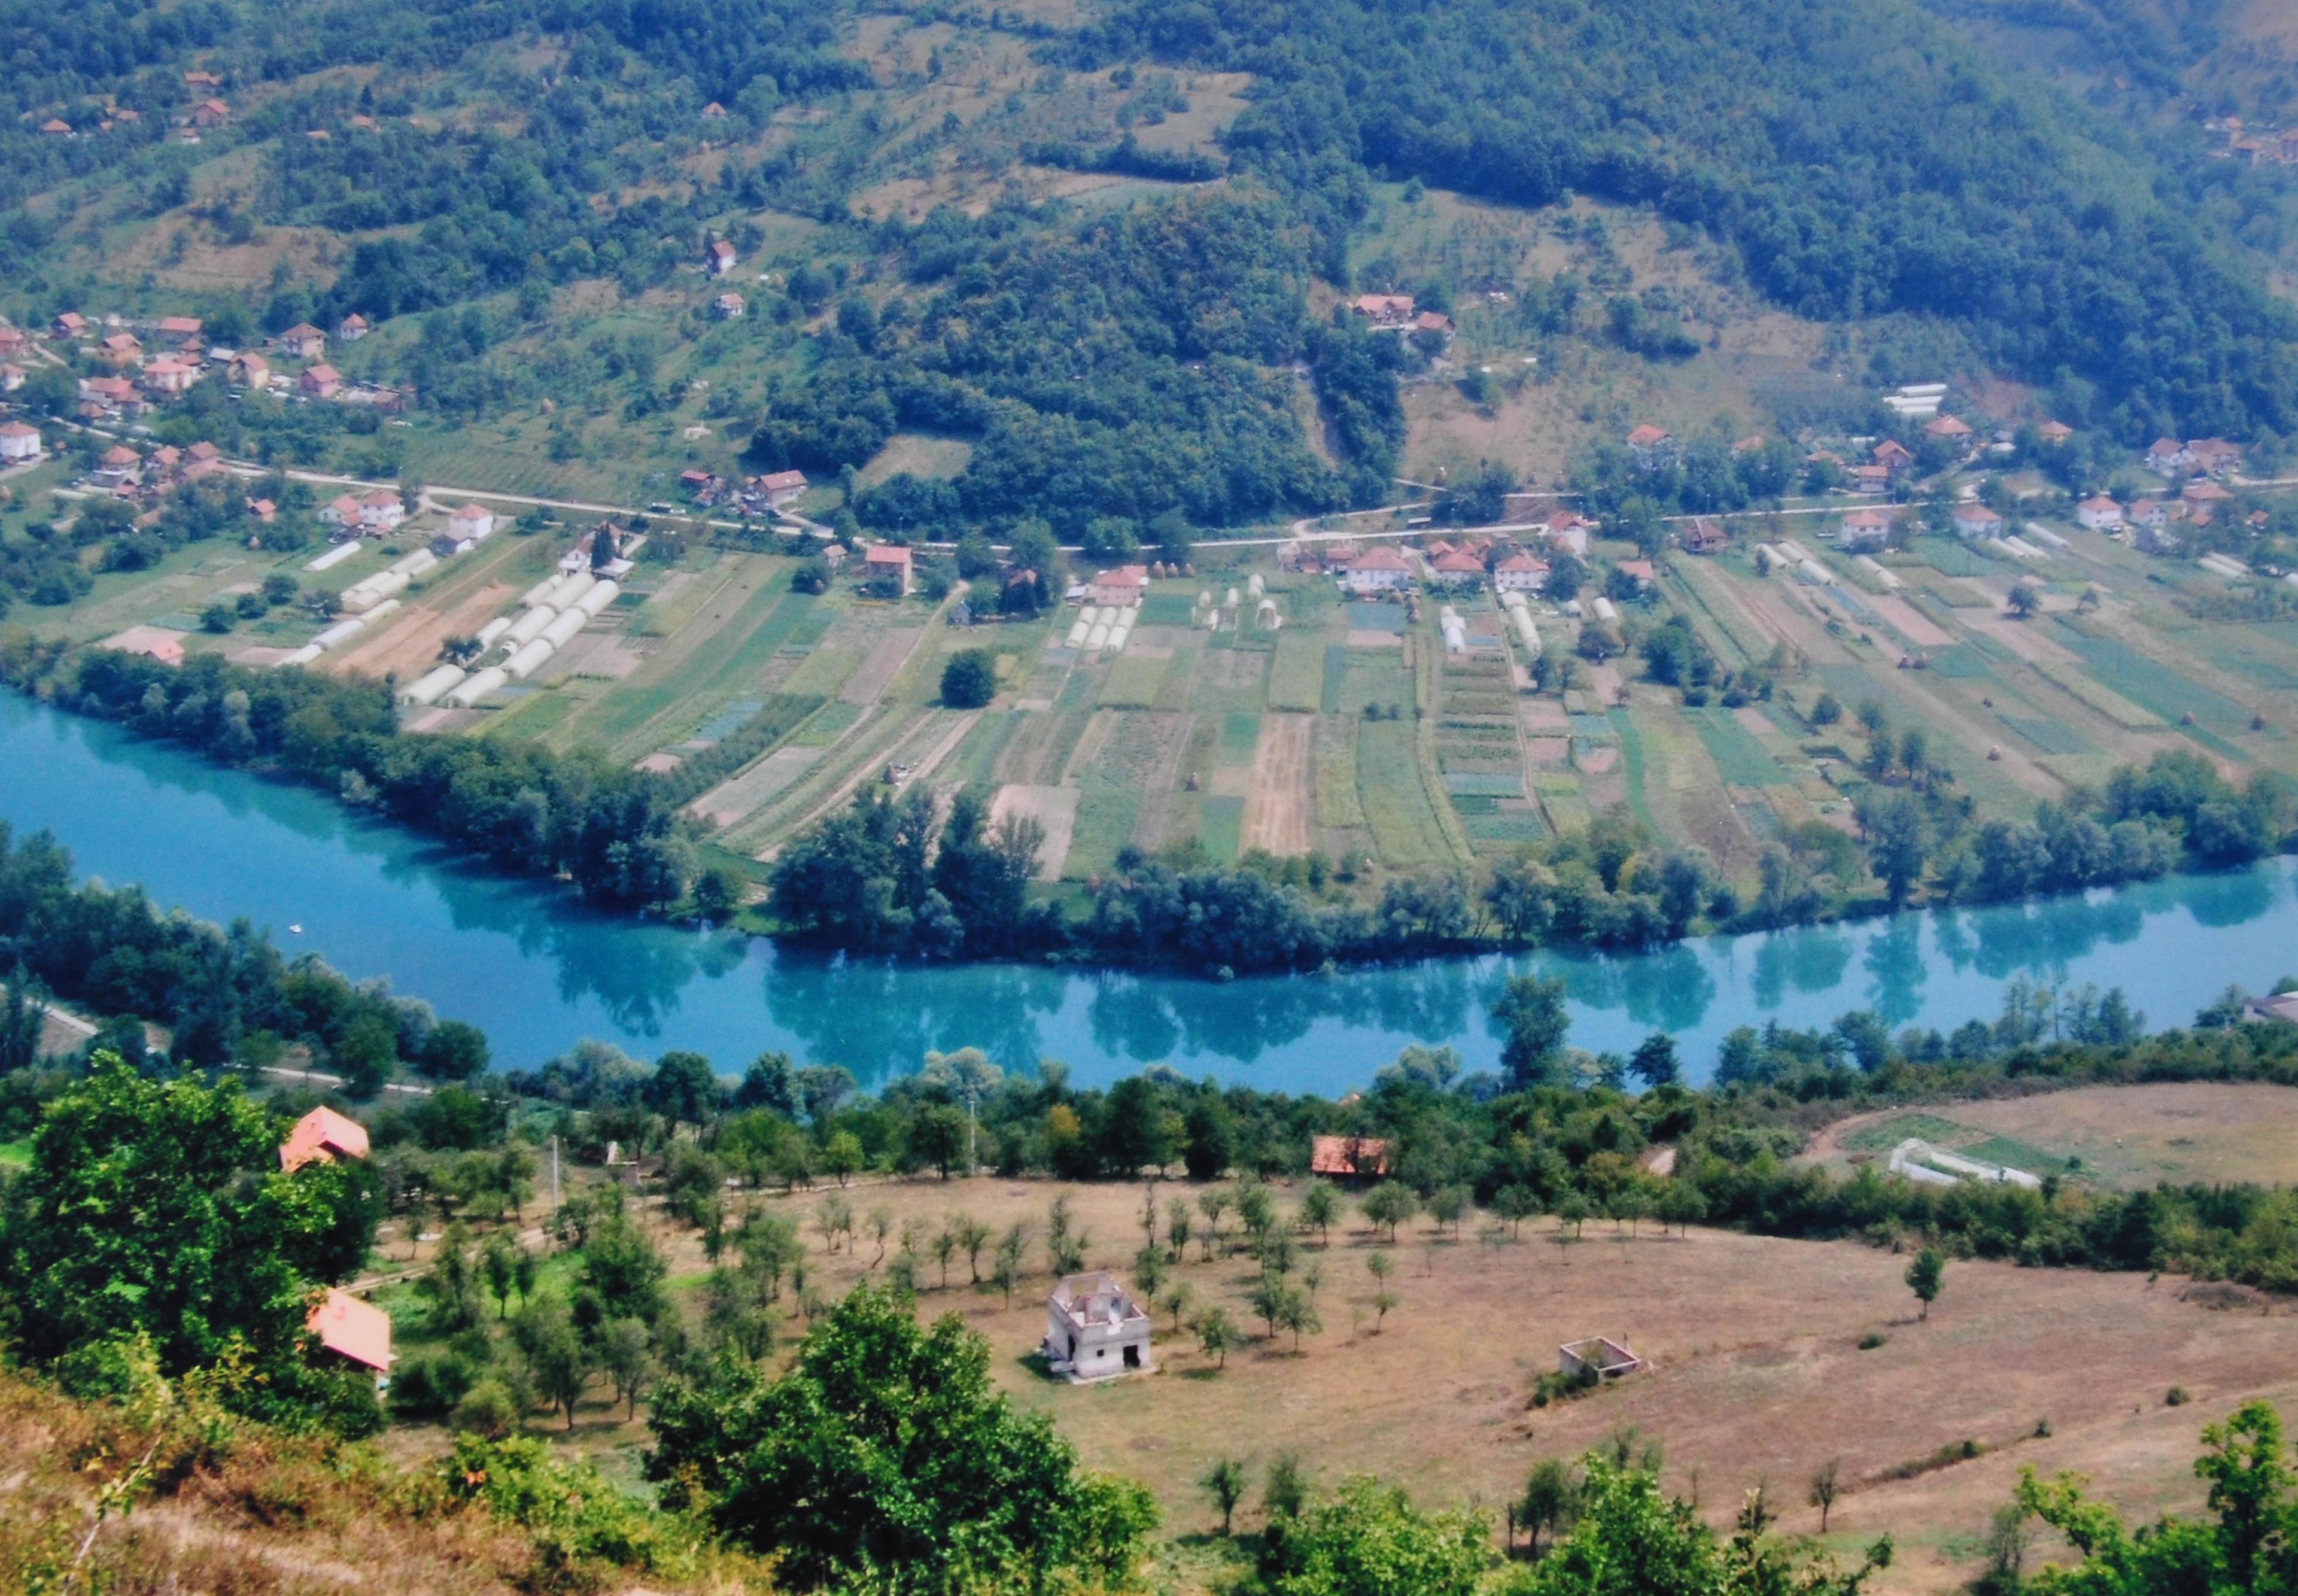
(1638, 571)
(1519, 573)
(1122, 587)
(1874, 480)
(263, 511)
(1647, 443)
(2149, 512)
(474, 522)
(56, 128)
(2056, 433)
(121, 349)
(2098, 513)
(120, 467)
(304, 342)
(351, 329)
(1348, 1157)
(169, 376)
(1568, 531)
(713, 110)
(1432, 321)
(2213, 457)
(1383, 310)
(1094, 1331)
(1456, 568)
(106, 391)
(1705, 535)
(322, 1136)
(2157, 538)
(19, 443)
(210, 113)
(1975, 520)
(1948, 429)
(196, 80)
(342, 511)
(887, 562)
(201, 460)
(14, 342)
(251, 370)
(320, 382)
(179, 330)
(1865, 529)
(1895, 457)
(729, 307)
(720, 258)
(2167, 457)
(12, 378)
(359, 1332)
(1380, 569)
(71, 324)
(783, 487)
(380, 511)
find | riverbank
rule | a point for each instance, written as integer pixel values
(538, 971)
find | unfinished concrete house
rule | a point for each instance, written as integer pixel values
(1094, 1331)
(1598, 1357)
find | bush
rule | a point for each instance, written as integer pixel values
(968, 680)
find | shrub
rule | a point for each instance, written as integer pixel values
(968, 680)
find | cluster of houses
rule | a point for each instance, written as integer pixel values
(2254, 146)
(123, 472)
(1501, 564)
(152, 361)
(346, 1328)
(750, 495)
(205, 115)
(1397, 313)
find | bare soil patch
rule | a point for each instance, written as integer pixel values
(409, 646)
(1052, 808)
(1909, 622)
(885, 658)
(1278, 804)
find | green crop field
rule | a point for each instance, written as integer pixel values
(1740, 758)
(1297, 679)
(1405, 827)
(1224, 820)
(1339, 805)
(1133, 682)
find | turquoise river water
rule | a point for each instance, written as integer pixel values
(539, 972)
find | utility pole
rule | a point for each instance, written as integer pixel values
(554, 1171)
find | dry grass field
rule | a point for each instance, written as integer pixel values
(2125, 1137)
(1757, 1374)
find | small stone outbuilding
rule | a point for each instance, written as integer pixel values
(1094, 1331)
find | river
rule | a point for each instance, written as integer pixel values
(539, 972)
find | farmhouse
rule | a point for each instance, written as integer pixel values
(351, 329)
(210, 113)
(2168, 456)
(322, 1136)
(720, 258)
(121, 349)
(1704, 536)
(1519, 574)
(380, 511)
(1870, 479)
(1948, 429)
(1122, 587)
(19, 443)
(320, 382)
(1648, 443)
(887, 561)
(729, 307)
(120, 465)
(304, 342)
(1569, 532)
(473, 522)
(356, 1332)
(2056, 433)
(1348, 1157)
(1895, 457)
(251, 370)
(1456, 567)
(1094, 1331)
(179, 330)
(2213, 457)
(2099, 513)
(71, 324)
(169, 376)
(1383, 310)
(2149, 512)
(1380, 569)
(1975, 520)
(1865, 528)
(783, 487)
(341, 511)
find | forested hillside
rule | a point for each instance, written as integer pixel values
(538, 167)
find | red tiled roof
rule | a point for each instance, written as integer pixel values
(321, 1135)
(1348, 1155)
(350, 1329)
(1646, 435)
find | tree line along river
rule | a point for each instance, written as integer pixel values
(539, 972)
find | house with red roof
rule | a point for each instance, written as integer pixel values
(1348, 1157)
(2056, 433)
(19, 443)
(1383, 310)
(1975, 520)
(320, 382)
(356, 1332)
(380, 511)
(1950, 429)
(351, 329)
(1704, 536)
(304, 342)
(1864, 527)
(1648, 443)
(71, 324)
(1123, 587)
(1380, 569)
(2098, 513)
(783, 487)
(1456, 567)
(883, 562)
(181, 329)
(720, 258)
(322, 1136)
(210, 113)
(1519, 573)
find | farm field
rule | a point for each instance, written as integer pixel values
(2122, 1137)
(1758, 1372)
(1321, 724)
